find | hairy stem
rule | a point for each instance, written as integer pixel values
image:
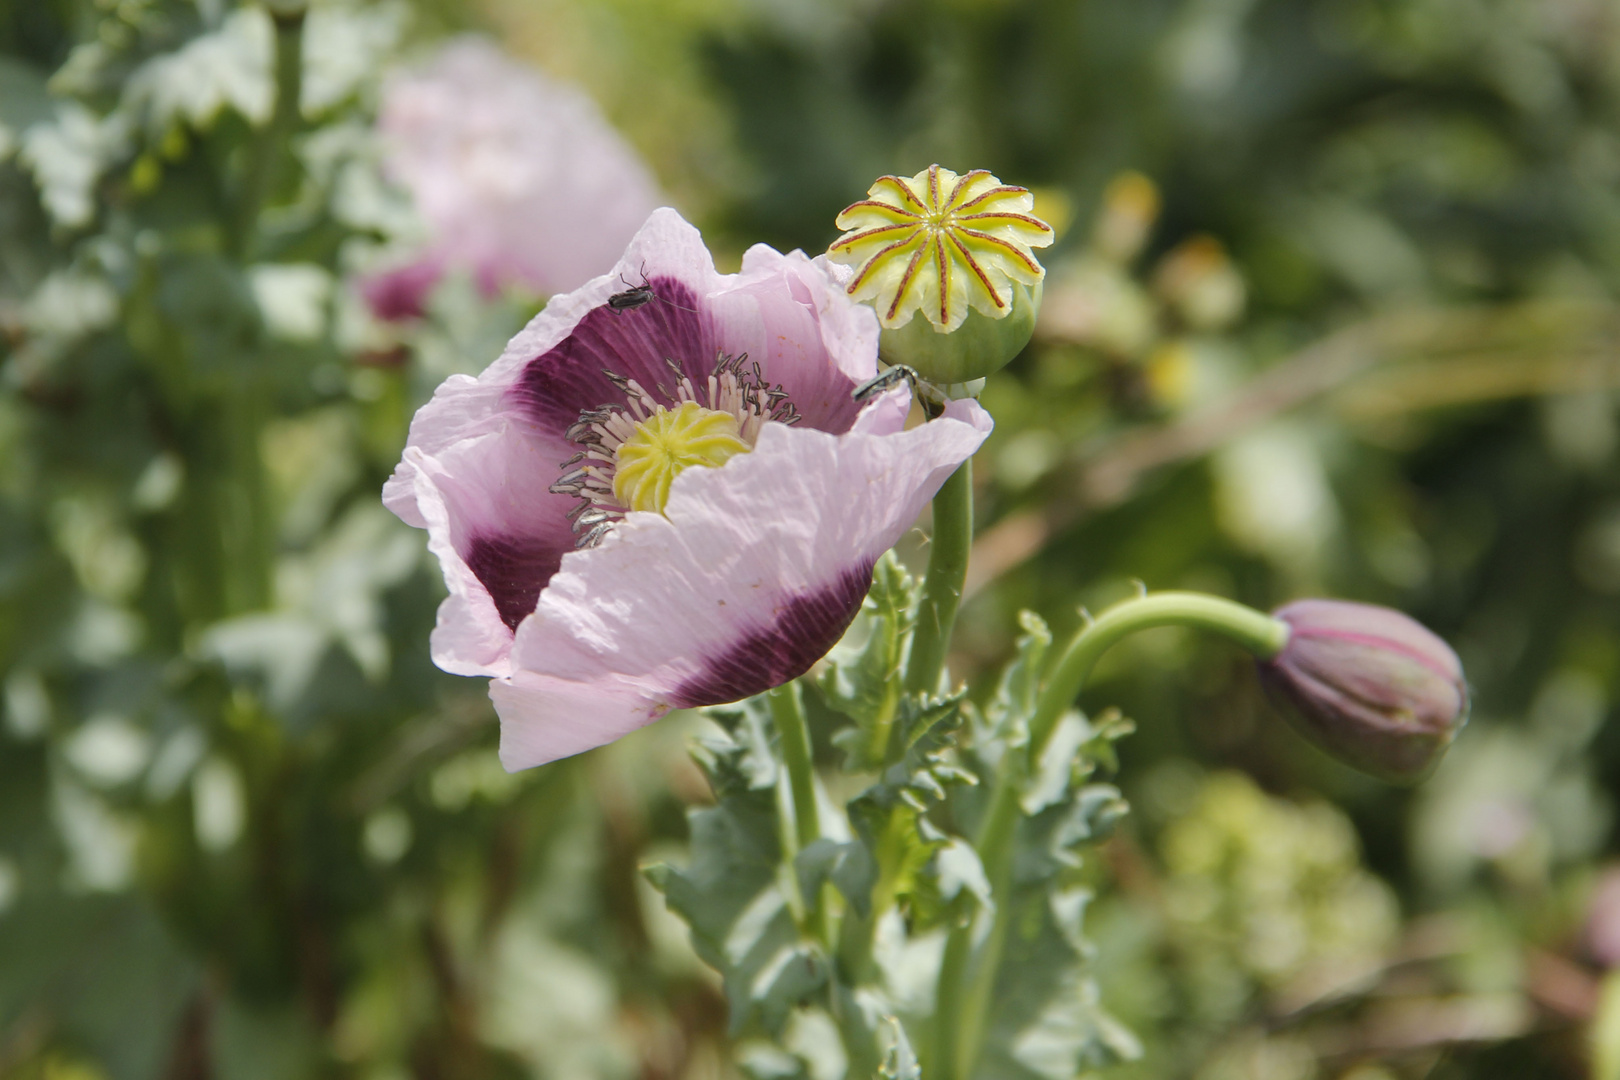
(967, 976)
(942, 585)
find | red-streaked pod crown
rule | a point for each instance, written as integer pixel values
(956, 249)
(1369, 685)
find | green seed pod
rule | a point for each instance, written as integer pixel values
(979, 346)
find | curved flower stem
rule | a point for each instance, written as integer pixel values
(942, 585)
(966, 980)
(1255, 631)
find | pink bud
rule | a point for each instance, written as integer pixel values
(1369, 685)
(400, 295)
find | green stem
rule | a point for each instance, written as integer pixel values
(880, 749)
(942, 585)
(936, 617)
(952, 988)
(269, 149)
(966, 981)
(855, 945)
(855, 938)
(1254, 630)
(787, 710)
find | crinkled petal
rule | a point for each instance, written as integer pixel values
(478, 478)
(754, 574)
(673, 327)
(485, 451)
(497, 529)
(498, 533)
(789, 313)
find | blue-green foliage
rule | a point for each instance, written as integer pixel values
(900, 870)
(731, 893)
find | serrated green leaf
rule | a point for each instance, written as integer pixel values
(753, 925)
(864, 684)
(1076, 749)
(1044, 1017)
(1006, 718)
(1069, 914)
(740, 752)
(1092, 815)
(1106, 730)
(1072, 1033)
(730, 893)
(925, 723)
(1058, 765)
(855, 877)
(900, 1063)
(959, 872)
(814, 864)
(1046, 1020)
(889, 815)
(895, 850)
(788, 978)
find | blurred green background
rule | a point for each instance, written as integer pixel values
(1333, 311)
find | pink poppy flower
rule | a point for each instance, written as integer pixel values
(518, 178)
(718, 534)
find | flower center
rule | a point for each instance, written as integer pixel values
(665, 445)
(633, 452)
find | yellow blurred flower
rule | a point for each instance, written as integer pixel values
(1130, 206)
(1200, 282)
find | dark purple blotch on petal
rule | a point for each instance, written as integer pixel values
(559, 384)
(806, 628)
(514, 570)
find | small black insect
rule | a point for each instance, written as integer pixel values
(633, 297)
(885, 381)
(637, 296)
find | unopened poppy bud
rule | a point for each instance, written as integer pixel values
(1369, 685)
(955, 249)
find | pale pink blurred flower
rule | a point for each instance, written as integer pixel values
(596, 606)
(1603, 919)
(518, 178)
